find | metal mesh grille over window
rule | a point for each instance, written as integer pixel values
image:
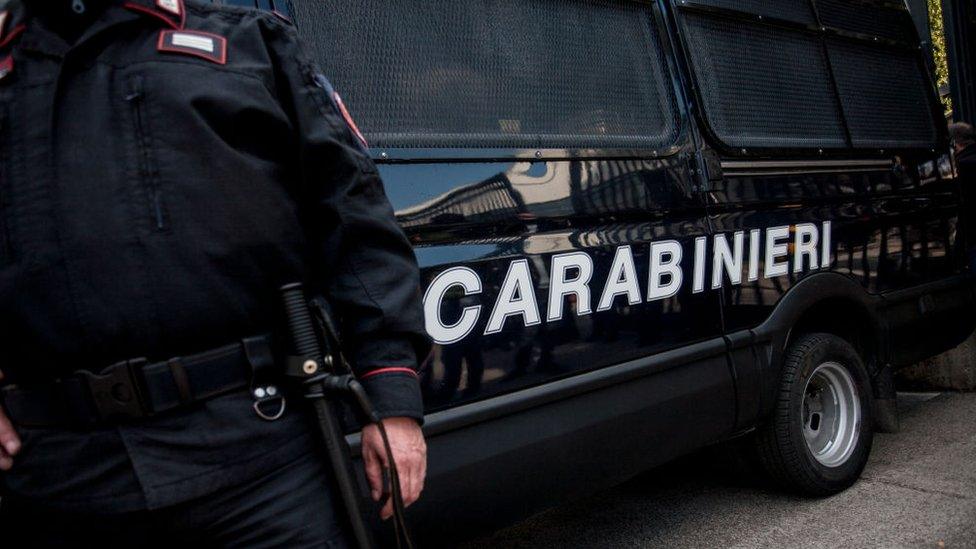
(835, 85)
(763, 86)
(883, 94)
(496, 73)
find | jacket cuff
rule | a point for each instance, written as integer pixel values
(395, 394)
(387, 368)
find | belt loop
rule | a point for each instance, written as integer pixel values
(257, 350)
(181, 380)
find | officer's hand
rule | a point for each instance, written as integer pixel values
(410, 453)
(9, 441)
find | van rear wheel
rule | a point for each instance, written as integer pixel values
(819, 437)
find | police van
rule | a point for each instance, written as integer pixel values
(647, 226)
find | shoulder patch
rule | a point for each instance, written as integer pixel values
(172, 6)
(322, 82)
(348, 117)
(207, 46)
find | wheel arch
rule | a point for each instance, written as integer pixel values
(824, 302)
(830, 303)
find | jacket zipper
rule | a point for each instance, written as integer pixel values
(147, 170)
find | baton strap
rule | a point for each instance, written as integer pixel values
(135, 389)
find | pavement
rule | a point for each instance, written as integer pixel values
(918, 490)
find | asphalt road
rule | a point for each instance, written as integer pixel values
(919, 490)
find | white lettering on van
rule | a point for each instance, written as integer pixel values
(776, 248)
(754, 237)
(560, 286)
(622, 280)
(516, 298)
(806, 245)
(570, 274)
(825, 246)
(727, 260)
(440, 331)
(665, 265)
(699, 276)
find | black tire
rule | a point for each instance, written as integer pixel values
(782, 447)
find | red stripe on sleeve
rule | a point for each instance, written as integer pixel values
(394, 370)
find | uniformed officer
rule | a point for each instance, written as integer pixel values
(964, 147)
(164, 168)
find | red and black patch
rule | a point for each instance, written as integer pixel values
(204, 45)
(171, 12)
(348, 117)
(172, 6)
(6, 66)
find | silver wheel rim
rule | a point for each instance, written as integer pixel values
(831, 414)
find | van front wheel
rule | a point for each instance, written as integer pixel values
(819, 437)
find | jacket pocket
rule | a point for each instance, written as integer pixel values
(146, 165)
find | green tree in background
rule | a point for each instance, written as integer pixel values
(936, 22)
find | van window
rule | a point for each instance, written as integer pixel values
(763, 86)
(880, 78)
(850, 77)
(563, 74)
(883, 91)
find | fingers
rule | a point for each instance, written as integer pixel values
(412, 481)
(405, 473)
(421, 477)
(410, 453)
(407, 468)
(8, 436)
(374, 461)
(9, 441)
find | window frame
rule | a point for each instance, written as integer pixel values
(680, 144)
(823, 32)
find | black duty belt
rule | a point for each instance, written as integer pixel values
(136, 389)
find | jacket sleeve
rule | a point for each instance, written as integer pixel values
(371, 279)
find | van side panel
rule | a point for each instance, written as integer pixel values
(487, 226)
(538, 409)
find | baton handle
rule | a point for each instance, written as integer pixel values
(304, 338)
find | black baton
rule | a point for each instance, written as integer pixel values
(315, 365)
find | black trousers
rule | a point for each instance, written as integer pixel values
(290, 507)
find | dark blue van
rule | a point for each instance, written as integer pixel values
(646, 226)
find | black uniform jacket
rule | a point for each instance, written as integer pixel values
(966, 166)
(159, 180)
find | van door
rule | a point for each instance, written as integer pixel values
(818, 114)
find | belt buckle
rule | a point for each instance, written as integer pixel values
(115, 391)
